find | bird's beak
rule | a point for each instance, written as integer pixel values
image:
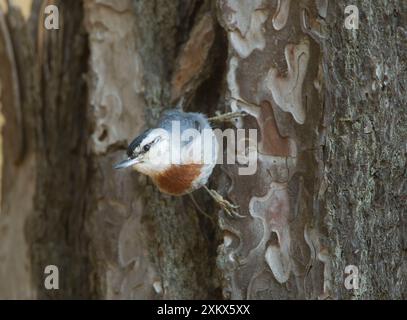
(126, 163)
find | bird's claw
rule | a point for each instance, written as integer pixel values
(229, 208)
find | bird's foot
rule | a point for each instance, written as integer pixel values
(229, 208)
(227, 117)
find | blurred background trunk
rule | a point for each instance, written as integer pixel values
(330, 189)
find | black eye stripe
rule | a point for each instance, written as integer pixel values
(135, 148)
(148, 146)
(135, 144)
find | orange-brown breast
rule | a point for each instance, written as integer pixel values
(178, 179)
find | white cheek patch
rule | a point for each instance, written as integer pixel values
(159, 155)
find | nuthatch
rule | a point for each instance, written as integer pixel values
(149, 154)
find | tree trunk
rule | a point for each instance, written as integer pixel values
(330, 187)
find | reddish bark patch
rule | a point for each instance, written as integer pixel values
(193, 57)
(272, 142)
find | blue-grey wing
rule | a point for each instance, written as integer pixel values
(186, 120)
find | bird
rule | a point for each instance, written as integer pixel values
(179, 166)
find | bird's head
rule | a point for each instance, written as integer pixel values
(148, 153)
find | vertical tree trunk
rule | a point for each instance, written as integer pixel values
(273, 64)
(330, 186)
(365, 155)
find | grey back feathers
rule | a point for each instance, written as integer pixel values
(187, 120)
